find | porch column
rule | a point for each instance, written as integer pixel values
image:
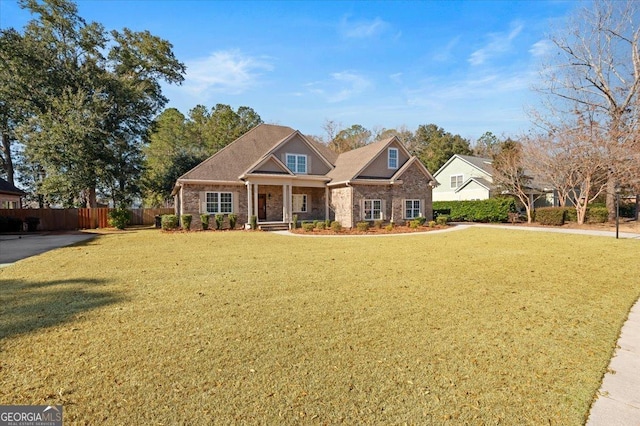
(326, 202)
(285, 203)
(249, 200)
(255, 200)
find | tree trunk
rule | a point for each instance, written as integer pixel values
(637, 207)
(91, 198)
(611, 198)
(8, 162)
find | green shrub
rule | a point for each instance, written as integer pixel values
(294, 221)
(233, 219)
(308, 227)
(442, 220)
(597, 214)
(441, 212)
(550, 216)
(336, 226)
(253, 222)
(315, 223)
(10, 224)
(219, 218)
(320, 225)
(186, 221)
(169, 222)
(491, 210)
(204, 219)
(570, 214)
(414, 224)
(119, 218)
(362, 226)
(421, 220)
(432, 224)
(389, 227)
(377, 224)
(627, 209)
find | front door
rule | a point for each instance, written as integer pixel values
(262, 206)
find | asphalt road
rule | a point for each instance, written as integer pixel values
(17, 247)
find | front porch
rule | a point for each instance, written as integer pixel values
(275, 206)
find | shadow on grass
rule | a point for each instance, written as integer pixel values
(27, 306)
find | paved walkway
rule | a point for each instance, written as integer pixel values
(17, 247)
(618, 400)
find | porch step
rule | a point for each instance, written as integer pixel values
(274, 227)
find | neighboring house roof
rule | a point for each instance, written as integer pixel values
(480, 181)
(8, 188)
(480, 163)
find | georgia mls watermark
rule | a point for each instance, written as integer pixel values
(30, 415)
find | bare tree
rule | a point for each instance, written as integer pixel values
(596, 69)
(511, 177)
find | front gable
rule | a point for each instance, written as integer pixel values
(270, 165)
(379, 167)
(297, 145)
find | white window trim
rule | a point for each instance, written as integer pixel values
(306, 203)
(456, 184)
(219, 202)
(389, 158)
(296, 156)
(412, 208)
(373, 217)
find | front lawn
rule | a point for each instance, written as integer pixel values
(479, 326)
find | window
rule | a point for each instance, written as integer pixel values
(297, 163)
(412, 209)
(372, 209)
(219, 202)
(456, 181)
(392, 160)
(299, 203)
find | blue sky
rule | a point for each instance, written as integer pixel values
(467, 66)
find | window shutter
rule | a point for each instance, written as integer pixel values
(383, 209)
(236, 201)
(308, 164)
(203, 202)
(422, 204)
(404, 208)
(361, 209)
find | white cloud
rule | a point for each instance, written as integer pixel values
(499, 43)
(446, 53)
(340, 87)
(225, 71)
(541, 48)
(363, 29)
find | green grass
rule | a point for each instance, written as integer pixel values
(481, 326)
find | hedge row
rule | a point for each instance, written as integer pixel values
(559, 215)
(491, 210)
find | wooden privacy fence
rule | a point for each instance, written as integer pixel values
(71, 219)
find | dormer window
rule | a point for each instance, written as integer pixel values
(297, 163)
(392, 158)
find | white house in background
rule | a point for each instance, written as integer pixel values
(464, 177)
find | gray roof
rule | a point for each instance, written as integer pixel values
(7, 188)
(234, 159)
(482, 163)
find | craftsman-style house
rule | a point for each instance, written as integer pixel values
(275, 172)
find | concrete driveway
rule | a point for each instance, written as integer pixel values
(17, 247)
